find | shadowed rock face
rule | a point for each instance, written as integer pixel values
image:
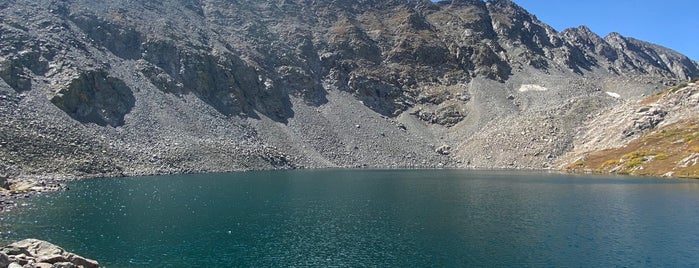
(207, 75)
(13, 74)
(94, 97)
(122, 41)
(22, 61)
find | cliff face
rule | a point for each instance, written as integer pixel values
(142, 87)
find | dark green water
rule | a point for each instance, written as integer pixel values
(330, 218)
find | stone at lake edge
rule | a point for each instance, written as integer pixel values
(39, 253)
(4, 260)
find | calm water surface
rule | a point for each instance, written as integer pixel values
(403, 218)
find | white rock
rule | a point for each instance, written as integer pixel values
(530, 87)
(614, 95)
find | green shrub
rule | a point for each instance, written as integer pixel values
(610, 163)
(691, 137)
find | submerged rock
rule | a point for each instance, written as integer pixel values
(39, 253)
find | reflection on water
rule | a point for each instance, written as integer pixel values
(371, 217)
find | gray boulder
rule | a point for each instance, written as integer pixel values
(40, 253)
(444, 150)
(4, 260)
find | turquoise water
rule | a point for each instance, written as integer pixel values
(355, 218)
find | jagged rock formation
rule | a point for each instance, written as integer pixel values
(128, 88)
(93, 97)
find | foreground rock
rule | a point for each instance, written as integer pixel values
(38, 253)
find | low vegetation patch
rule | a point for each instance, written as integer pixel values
(611, 163)
(655, 154)
(635, 159)
(689, 138)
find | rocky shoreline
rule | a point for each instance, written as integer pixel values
(13, 191)
(34, 253)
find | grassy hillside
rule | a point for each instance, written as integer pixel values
(671, 150)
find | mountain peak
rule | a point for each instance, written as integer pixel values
(584, 29)
(614, 36)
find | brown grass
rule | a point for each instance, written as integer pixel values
(655, 98)
(654, 154)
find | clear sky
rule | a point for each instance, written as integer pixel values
(669, 23)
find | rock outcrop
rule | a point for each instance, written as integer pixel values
(39, 254)
(140, 87)
(94, 97)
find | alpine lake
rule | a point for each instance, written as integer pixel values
(378, 218)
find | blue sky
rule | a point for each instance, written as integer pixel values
(670, 23)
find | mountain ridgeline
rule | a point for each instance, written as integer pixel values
(112, 88)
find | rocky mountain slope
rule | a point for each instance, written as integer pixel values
(123, 87)
(657, 136)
